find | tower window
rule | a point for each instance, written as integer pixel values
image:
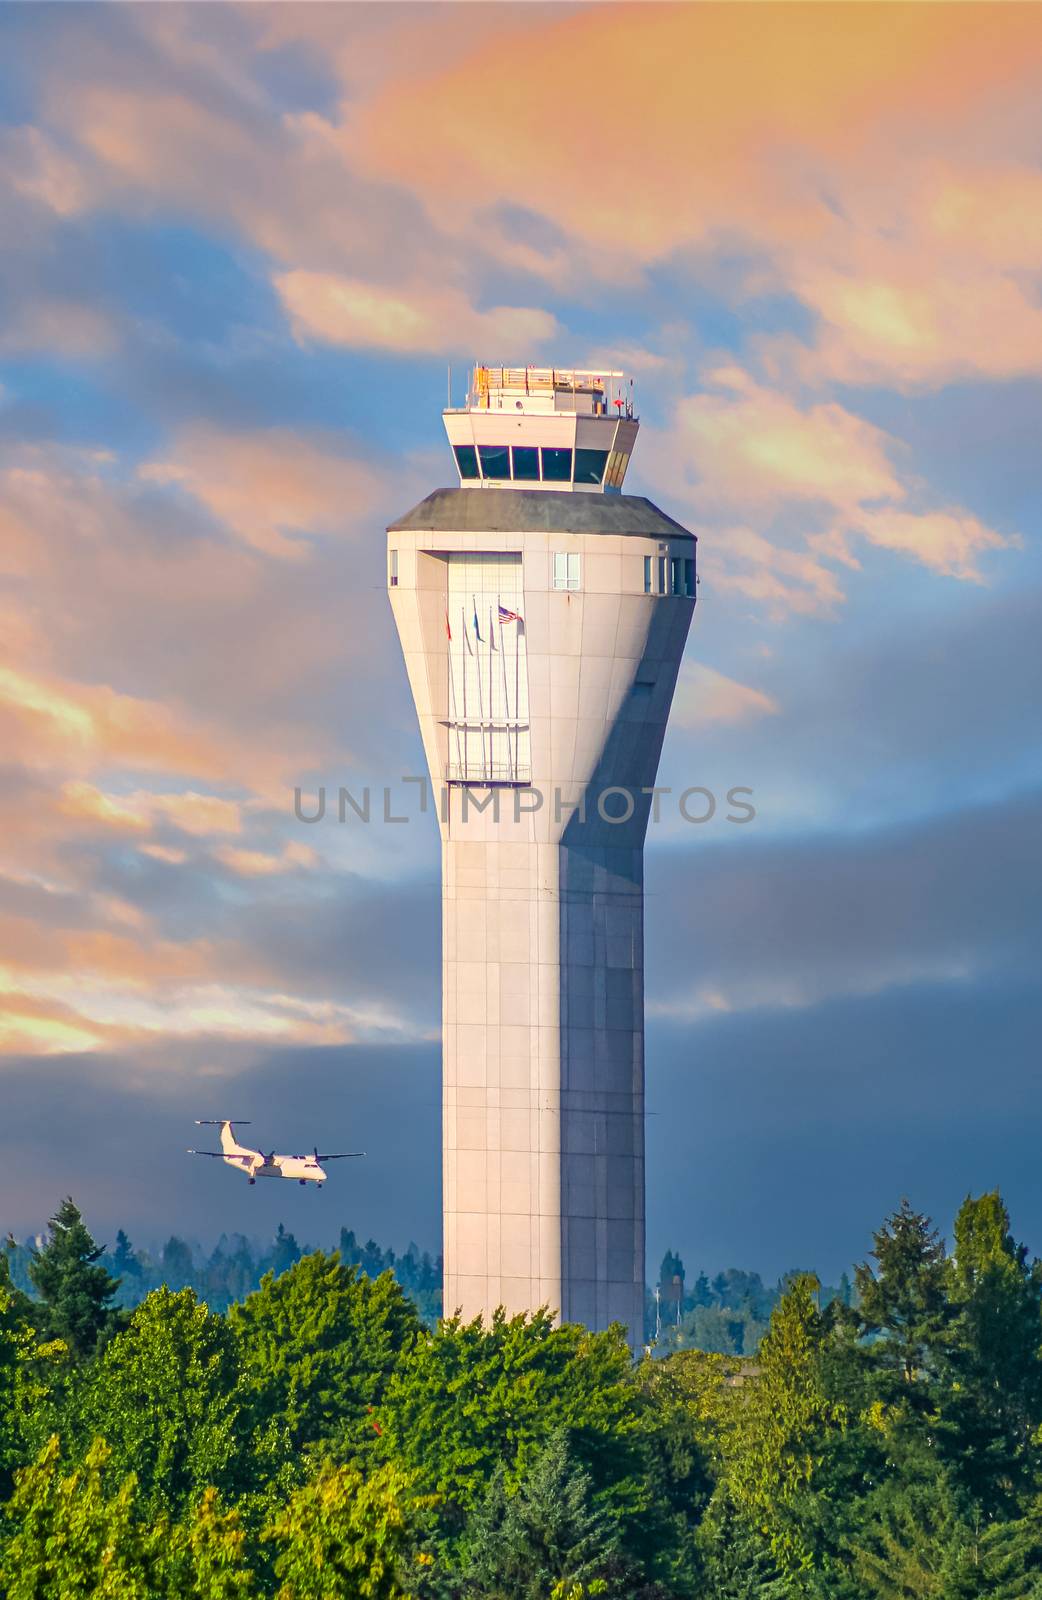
(557, 465)
(495, 461)
(677, 574)
(647, 574)
(689, 578)
(526, 463)
(661, 575)
(392, 568)
(590, 465)
(566, 569)
(466, 460)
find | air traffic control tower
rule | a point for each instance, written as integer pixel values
(543, 615)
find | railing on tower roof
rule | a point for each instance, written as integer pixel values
(612, 391)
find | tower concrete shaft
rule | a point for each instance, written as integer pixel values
(542, 633)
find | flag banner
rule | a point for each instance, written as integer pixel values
(477, 625)
(448, 626)
(508, 616)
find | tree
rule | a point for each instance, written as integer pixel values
(782, 1425)
(549, 1532)
(318, 1346)
(915, 1542)
(468, 1397)
(74, 1289)
(993, 1402)
(906, 1298)
(72, 1537)
(165, 1395)
(347, 1536)
(80, 1533)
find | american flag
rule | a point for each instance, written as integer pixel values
(508, 616)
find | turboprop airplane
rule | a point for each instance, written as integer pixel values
(255, 1164)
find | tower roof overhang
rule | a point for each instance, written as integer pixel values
(493, 510)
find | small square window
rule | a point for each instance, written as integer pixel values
(557, 465)
(647, 574)
(566, 569)
(495, 461)
(392, 568)
(689, 578)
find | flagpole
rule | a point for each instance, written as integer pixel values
(517, 693)
(481, 702)
(466, 730)
(452, 699)
(506, 698)
(491, 702)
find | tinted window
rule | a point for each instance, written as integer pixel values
(689, 578)
(526, 463)
(495, 461)
(677, 566)
(557, 466)
(589, 465)
(466, 460)
(647, 574)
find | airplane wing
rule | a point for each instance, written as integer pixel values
(218, 1153)
(345, 1155)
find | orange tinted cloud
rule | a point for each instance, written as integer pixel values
(341, 310)
(270, 488)
(705, 696)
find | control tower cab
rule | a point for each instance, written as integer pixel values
(544, 428)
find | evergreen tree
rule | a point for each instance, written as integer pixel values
(992, 1407)
(784, 1421)
(906, 1297)
(547, 1533)
(75, 1290)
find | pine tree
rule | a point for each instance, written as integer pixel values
(546, 1534)
(906, 1298)
(75, 1290)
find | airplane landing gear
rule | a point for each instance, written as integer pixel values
(302, 1182)
(253, 1180)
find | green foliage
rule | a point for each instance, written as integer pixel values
(74, 1289)
(81, 1533)
(469, 1397)
(344, 1535)
(317, 1347)
(906, 1297)
(165, 1395)
(320, 1441)
(782, 1422)
(548, 1533)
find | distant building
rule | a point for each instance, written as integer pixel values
(543, 616)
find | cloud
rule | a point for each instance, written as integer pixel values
(705, 696)
(804, 472)
(344, 311)
(272, 488)
(780, 923)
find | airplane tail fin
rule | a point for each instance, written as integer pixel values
(229, 1143)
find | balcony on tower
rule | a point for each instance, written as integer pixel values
(544, 428)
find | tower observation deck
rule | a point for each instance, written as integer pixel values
(543, 616)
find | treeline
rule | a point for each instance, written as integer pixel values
(319, 1441)
(235, 1268)
(727, 1314)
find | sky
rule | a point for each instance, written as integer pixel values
(242, 246)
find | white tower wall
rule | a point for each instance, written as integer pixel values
(543, 968)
